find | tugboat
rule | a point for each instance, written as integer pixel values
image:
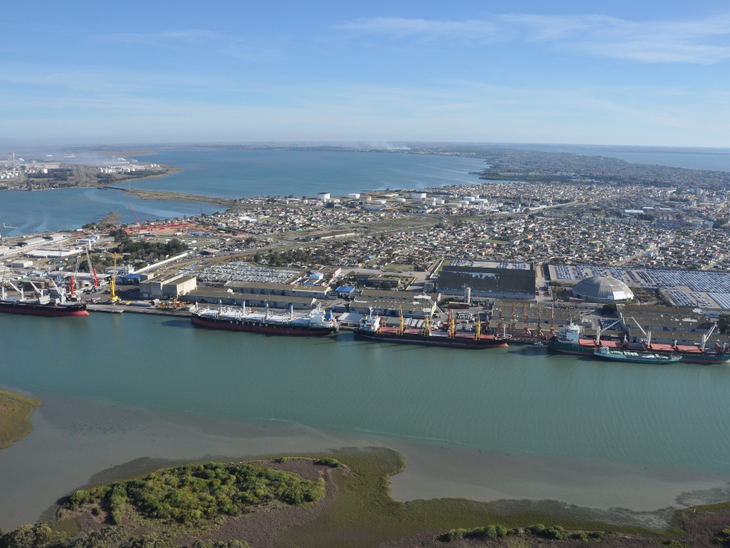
(371, 327)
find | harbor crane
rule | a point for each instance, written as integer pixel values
(600, 330)
(92, 270)
(706, 336)
(647, 335)
(135, 214)
(113, 283)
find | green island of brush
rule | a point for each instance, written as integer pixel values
(14, 412)
(341, 499)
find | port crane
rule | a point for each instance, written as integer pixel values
(600, 330)
(706, 336)
(647, 335)
(92, 270)
(113, 283)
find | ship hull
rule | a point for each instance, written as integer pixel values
(47, 310)
(639, 359)
(457, 342)
(270, 329)
(567, 348)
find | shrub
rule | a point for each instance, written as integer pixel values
(327, 461)
(190, 493)
(280, 460)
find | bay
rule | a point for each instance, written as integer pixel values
(231, 173)
(36, 212)
(513, 423)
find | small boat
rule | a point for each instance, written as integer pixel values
(635, 357)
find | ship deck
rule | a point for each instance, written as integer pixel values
(459, 334)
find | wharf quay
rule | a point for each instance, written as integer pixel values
(118, 309)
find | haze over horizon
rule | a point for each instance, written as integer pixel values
(592, 73)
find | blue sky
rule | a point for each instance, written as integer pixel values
(624, 73)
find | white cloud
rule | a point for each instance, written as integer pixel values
(188, 35)
(399, 28)
(704, 41)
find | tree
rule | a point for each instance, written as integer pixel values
(723, 324)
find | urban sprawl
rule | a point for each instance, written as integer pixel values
(512, 246)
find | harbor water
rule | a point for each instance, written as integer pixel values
(514, 423)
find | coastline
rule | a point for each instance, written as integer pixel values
(15, 412)
(97, 441)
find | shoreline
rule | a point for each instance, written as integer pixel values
(96, 441)
(15, 412)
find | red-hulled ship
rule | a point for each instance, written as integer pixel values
(317, 322)
(371, 327)
(44, 305)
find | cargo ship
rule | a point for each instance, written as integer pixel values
(316, 322)
(635, 357)
(43, 305)
(569, 341)
(371, 327)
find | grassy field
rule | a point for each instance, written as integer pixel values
(14, 412)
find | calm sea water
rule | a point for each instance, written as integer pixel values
(231, 173)
(33, 212)
(669, 421)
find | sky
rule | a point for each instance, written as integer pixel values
(647, 72)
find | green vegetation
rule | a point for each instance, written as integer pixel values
(361, 515)
(723, 324)
(146, 250)
(327, 461)
(14, 412)
(723, 539)
(203, 491)
(43, 536)
(556, 532)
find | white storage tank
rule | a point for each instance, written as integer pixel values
(418, 195)
(400, 200)
(324, 196)
(354, 196)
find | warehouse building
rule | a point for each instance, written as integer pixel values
(487, 279)
(174, 286)
(228, 297)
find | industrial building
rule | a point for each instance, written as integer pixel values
(227, 296)
(487, 279)
(263, 288)
(603, 289)
(174, 286)
(418, 306)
